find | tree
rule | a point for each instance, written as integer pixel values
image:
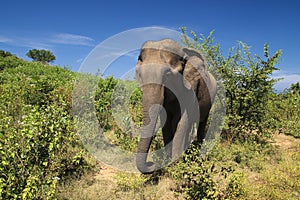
(5, 53)
(42, 55)
(295, 88)
(247, 81)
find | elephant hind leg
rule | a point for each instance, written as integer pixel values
(201, 131)
(168, 132)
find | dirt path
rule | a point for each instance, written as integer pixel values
(286, 142)
(104, 183)
(277, 177)
(106, 172)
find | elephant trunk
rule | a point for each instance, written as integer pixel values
(152, 101)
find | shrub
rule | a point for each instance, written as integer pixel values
(38, 144)
(9, 61)
(212, 176)
(283, 112)
(130, 181)
(247, 82)
(103, 99)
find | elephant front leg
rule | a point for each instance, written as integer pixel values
(168, 135)
(182, 137)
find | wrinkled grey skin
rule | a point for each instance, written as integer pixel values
(177, 79)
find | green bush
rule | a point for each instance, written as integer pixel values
(124, 99)
(130, 181)
(283, 111)
(210, 176)
(38, 142)
(8, 60)
(247, 81)
(103, 99)
(236, 187)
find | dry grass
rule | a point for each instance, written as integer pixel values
(277, 178)
(90, 187)
(108, 183)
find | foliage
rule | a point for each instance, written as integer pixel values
(129, 181)
(223, 173)
(212, 176)
(112, 93)
(41, 55)
(103, 98)
(295, 88)
(118, 107)
(5, 53)
(8, 60)
(195, 176)
(38, 144)
(279, 176)
(283, 111)
(247, 82)
(135, 108)
(236, 186)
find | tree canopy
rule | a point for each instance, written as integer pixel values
(42, 55)
(5, 53)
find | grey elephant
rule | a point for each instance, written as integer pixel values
(178, 89)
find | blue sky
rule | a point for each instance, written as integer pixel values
(72, 29)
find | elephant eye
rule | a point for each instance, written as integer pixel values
(184, 60)
(140, 58)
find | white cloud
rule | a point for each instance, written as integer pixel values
(4, 39)
(286, 81)
(72, 39)
(47, 41)
(25, 42)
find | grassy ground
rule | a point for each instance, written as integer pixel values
(279, 177)
(271, 176)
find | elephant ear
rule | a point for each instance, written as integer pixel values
(190, 73)
(193, 53)
(196, 74)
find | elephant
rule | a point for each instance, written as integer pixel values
(177, 88)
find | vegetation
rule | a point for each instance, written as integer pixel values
(38, 142)
(284, 111)
(5, 54)
(42, 55)
(42, 157)
(247, 82)
(295, 88)
(8, 60)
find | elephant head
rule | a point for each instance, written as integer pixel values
(164, 63)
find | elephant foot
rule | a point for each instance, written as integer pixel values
(146, 167)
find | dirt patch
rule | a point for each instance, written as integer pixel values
(286, 142)
(106, 172)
